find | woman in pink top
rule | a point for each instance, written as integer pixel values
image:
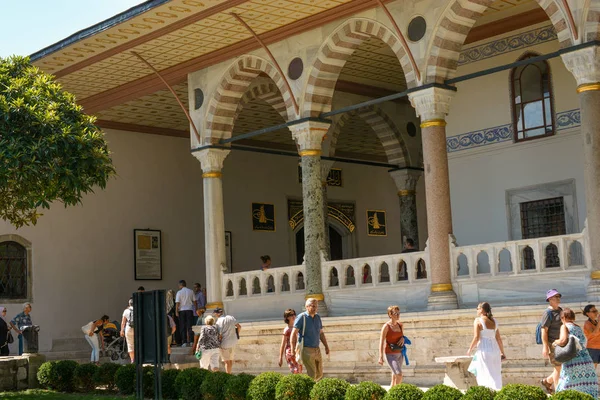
(289, 316)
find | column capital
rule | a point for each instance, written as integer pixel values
(309, 136)
(432, 103)
(584, 64)
(211, 161)
(406, 180)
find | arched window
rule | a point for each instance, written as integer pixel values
(533, 109)
(13, 271)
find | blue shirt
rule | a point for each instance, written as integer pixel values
(200, 300)
(312, 330)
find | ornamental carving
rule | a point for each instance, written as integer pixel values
(584, 64)
(309, 135)
(406, 179)
(211, 160)
(431, 103)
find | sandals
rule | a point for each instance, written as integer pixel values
(547, 386)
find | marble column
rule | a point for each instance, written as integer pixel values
(584, 64)
(325, 168)
(406, 182)
(214, 223)
(308, 137)
(432, 105)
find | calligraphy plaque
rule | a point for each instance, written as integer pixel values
(376, 223)
(263, 217)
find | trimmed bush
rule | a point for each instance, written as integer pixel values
(148, 382)
(329, 389)
(63, 375)
(365, 391)
(169, 388)
(84, 376)
(237, 387)
(105, 375)
(520, 392)
(125, 379)
(263, 386)
(45, 374)
(294, 387)
(404, 391)
(479, 393)
(213, 386)
(442, 392)
(189, 381)
(571, 395)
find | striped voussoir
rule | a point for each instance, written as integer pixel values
(223, 107)
(592, 22)
(334, 53)
(267, 92)
(455, 24)
(385, 129)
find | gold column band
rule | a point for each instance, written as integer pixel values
(441, 287)
(433, 122)
(586, 87)
(403, 193)
(213, 305)
(308, 153)
(595, 275)
(212, 175)
(319, 297)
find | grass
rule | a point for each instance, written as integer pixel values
(50, 395)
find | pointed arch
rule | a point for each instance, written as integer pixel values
(385, 129)
(223, 106)
(267, 92)
(591, 22)
(334, 53)
(454, 25)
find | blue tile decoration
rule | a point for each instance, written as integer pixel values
(507, 44)
(504, 133)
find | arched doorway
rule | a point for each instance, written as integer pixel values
(336, 244)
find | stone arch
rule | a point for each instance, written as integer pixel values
(456, 21)
(590, 21)
(223, 107)
(385, 129)
(332, 56)
(267, 92)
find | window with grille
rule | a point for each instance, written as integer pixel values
(542, 218)
(533, 109)
(13, 271)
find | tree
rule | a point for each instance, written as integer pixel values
(49, 149)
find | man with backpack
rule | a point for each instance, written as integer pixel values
(549, 329)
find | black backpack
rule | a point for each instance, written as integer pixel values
(130, 319)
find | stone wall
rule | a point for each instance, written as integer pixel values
(354, 340)
(20, 372)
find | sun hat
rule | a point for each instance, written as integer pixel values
(552, 293)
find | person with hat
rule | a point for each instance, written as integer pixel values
(551, 324)
(229, 333)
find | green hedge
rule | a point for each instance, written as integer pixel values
(365, 391)
(58, 375)
(442, 392)
(479, 393)
(189, 381)
(125, 379)
(404, 391)
(213, 386)
(329, 389)
(45, 374)
(263, 386)
(105, 375)
(84, 376)
(169, 387)
(571, 395)
(294, 387)
(237, 387)
(521, 392)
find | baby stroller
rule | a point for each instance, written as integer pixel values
(114, 344)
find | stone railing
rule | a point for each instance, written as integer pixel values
(275, 281)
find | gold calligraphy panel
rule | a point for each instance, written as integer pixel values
(263, 217)
(376, 223)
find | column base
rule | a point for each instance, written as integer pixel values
(593, 291)
(210, 307)
(446, 300)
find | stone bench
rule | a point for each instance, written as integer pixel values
(456, 374)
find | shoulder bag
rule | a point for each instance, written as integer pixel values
(567, 352)
(10, 338)
(300, 344)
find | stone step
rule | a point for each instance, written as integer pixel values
(69, 344)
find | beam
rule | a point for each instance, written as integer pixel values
(505, 25)
(153, 130)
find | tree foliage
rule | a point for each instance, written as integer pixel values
(49, 149)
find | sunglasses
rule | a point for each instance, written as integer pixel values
(395, 313)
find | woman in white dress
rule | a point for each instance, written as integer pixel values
(490, 351)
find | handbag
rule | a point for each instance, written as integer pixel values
(198, 354)
(10, 338)
(567, 352)
(300, 345)
(395, 346)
